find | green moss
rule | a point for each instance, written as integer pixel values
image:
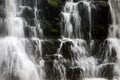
(54, 3)
(103, 3)
(54, 30)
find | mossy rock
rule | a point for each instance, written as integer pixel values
(54, 3)
(102, 3)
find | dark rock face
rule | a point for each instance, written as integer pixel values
(54, 70)
(30, 3)
(107, 71)
(50, 22)
(74, 73)
(2, 9)
(28, 14)
(100, 21)
(50, 48)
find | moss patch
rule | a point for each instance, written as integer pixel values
(54, 3)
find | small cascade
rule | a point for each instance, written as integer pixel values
(78, 57)
(114, 35)
(72, 19)
(71, 12)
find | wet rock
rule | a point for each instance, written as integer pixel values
(54, 3)
(33, 31)
(50, 20)
(99, 31)
(55, 70)
(100, 20)
(30, 3)
(2, 9)
(50, 47)
(106, 71)
(105, 53)
(74, 73)
(3, 31)
(28, 15)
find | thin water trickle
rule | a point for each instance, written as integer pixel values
(36, 20)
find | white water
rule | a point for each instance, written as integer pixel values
(80, 57)
(114, 34)
(71, 11)
(73, 34)
(114, 30)
(14, 24)
(73, 29)
(15, 63)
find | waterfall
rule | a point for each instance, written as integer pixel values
(79, 50)
(72, 33)
(114, 34)
(15, 62)
(87, 46)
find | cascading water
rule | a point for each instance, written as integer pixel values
(80, 55)
(15, 63)
(14, 24)
(71, 11)
(114, 34)
(26, 55)
(72, 33)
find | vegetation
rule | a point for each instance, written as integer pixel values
(54, 3)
